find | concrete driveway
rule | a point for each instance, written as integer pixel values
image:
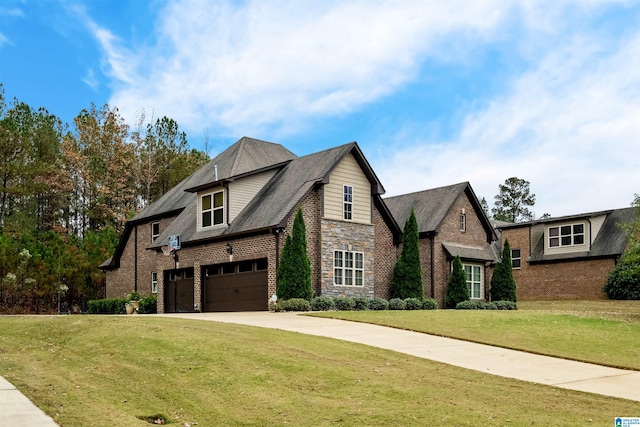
(484, 358)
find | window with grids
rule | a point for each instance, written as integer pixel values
(155, 231)
(212, 209)
(474, 280)
(154, 282)
(463, 222)
(348, 201)
(348, 268)
(566, 235)
(515, 258)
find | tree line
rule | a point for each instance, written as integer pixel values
(66, 192)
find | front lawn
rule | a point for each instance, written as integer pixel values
(603, 332)
(118, 370)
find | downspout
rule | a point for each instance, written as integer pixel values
(135, 259)
(590, 231)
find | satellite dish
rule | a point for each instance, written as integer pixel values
(274, 298)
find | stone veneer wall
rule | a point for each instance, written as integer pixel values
(347, 236)
(570, 279)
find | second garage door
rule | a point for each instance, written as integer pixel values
(240, 286)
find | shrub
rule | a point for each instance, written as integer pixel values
(106, 306)
(293, 304)
(471, 305)
(361, 303)
(148, 305)
(503, 286)
(457, 289)
(406, 281)
(429, 304)
(378, 304)
(396, 304)
(322, 303)
(294, 271)
(412, 304)
(490, 306)
(344, 303)
(623, 282)
(505, 305)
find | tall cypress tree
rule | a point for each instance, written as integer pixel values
(294, 272)
(503, 286)
(407, 273)
(457, 289)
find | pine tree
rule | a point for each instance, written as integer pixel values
(407, 273)
(457, 289)
(294, 271)
(503, 286)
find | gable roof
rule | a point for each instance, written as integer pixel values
(235, 161)
(273, 204)
(432, 206)
(610, 241)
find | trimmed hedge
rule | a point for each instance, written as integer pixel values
(481, 305)
(429, 304)
(397, 304)
(344, 303)
(378, 304)
(148, 305)
(412, 304)
(362, 303)
(293, 304)
(322, 304)
(106, 306)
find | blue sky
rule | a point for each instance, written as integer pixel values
(434, 92)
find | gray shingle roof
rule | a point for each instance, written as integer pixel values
(610, 241)
(470, 252)
(275, 201)
(431, 207)
(244, 156)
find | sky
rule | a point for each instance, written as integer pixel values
(434, 92)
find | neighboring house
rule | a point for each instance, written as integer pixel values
(450, 222)
(232, 217)
(567, 257)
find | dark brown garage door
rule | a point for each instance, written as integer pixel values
(178, 291)
(240, 286)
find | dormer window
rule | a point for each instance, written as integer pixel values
(566, 235)
(212, 209)
(348, 202)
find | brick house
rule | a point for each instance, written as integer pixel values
(451, 223)
(232, 217)
(567, 257)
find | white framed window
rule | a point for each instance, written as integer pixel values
(347, 192)
(212, 209)
(348, 268)
(155, 231)
(154, 282)
(474, 280)
(515, 258)
(566, 235)
(463, 222)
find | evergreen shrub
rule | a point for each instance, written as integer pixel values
(322, 303)
(429, 304)
(378, 304)
(106, 306)
(293, 304)
(396, 304)
(148, 305)
(412, 304)
(344, 303)
(457, 289)
(361, 303)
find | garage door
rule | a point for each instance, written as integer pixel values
(240, 286)
(178, 291)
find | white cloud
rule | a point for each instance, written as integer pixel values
(277, 64)
(571, 127)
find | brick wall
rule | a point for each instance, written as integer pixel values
(582, 279)
(475, 236)
(385, 256)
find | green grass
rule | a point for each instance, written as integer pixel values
(113, 370)
(603, 332)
